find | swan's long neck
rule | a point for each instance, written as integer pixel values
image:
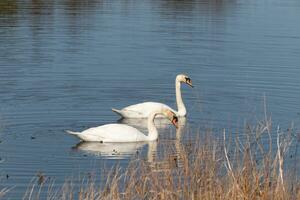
(180, 105)
(152, 131)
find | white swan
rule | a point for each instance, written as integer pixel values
(124, 133)
(143, 110)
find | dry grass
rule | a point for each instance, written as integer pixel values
(229, 168)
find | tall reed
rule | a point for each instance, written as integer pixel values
(226, 167)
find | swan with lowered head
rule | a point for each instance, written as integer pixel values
(125, 133)
(143, 110)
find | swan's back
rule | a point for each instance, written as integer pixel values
(113, 133)
(143, 110)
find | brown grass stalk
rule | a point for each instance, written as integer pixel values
(206, 168)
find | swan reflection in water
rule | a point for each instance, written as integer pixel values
(118, 151)
(111, 150)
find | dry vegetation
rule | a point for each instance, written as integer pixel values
(252, 167)
(235, 169)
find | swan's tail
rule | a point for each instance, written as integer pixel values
(119, 112)
(79, 135)
(73, 133)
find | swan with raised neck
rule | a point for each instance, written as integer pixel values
(143, 110)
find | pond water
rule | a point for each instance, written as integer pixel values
(64, 64)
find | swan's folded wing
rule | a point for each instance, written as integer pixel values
(143, 109)
(115, 133)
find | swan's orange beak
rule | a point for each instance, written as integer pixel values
(175, 121)
(190, 84)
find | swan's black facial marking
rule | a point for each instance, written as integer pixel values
(175, 119)
(188, 81)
